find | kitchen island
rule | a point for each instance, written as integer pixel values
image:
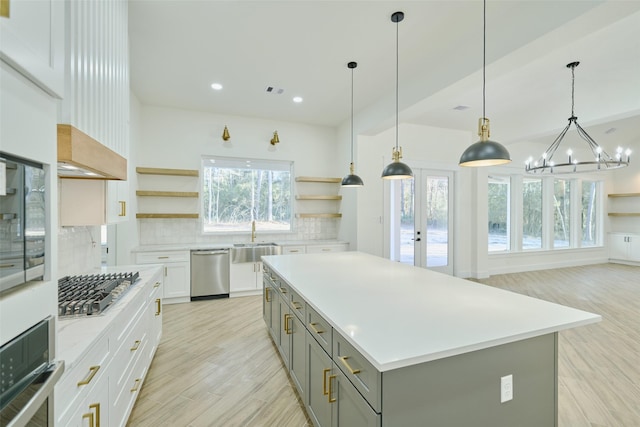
(395, 345)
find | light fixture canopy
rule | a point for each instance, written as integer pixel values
(601, 161)
(275, 138)
(485, 152)
(225, 134)
(352, 180)
(396, 169)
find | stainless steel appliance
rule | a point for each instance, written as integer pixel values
(28, 374)
(22, 221)
(210, 274)
(91, 294)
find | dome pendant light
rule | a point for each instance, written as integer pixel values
(352, 180)
(396, 169)
(484, 152)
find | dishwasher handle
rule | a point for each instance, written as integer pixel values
(220, 252)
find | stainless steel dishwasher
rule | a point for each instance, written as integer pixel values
(210, 274)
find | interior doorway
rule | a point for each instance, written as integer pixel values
(422, 213)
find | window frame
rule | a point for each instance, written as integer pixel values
(239, 163)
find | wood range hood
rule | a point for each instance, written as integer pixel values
(81, 156)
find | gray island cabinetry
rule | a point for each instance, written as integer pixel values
(371, 342)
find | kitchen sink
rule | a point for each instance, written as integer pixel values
(251, 252)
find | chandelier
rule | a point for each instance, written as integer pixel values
(600, 160)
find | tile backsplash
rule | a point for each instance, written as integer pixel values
(171, 231)
(78, 250)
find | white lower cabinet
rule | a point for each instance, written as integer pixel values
(323, 248)
(177, 273)
(245, 278)
(304, 341)
(101, 387)
(624, 247)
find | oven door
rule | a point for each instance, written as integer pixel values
(33, 406)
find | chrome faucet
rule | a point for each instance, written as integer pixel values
(253, 231)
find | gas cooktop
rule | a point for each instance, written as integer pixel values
(91, 294)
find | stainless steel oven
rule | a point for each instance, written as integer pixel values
(22, 221)
(28, 374)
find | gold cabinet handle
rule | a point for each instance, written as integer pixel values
(283, 290)
(326, 250)
(156, 285)
(5, 8)
(90, 416)
(123, 208)
(163, 257)
(313, 327)
(287, 326)
(93, 370)
(7, 265)
(158, 307)
(343, 359)
(136, 344)
(136, 385)
(331, 378)
(96, 406)
(166, 272)
(267, 295)
(294, 250)
(296, 305)
(324, 381)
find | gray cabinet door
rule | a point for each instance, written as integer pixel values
(285, 330)
(350, 408)
(297, 367)
(319, 367)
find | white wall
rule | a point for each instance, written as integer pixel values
(174, 138)
(28, 129)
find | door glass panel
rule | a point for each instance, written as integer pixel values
(437, 216)
(561, 213)
(532, 213)
(407, 221)
(498, 203)
(590, 213)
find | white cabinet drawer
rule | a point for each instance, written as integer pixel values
(78, 382)
(338, 247)
(292, 250)
(162, 257)
(129, 384)
(359, 371)
(319, 329)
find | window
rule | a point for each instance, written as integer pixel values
(561, 213)
(590, 213)
(499, 213)
(236, 192)
(531, 213)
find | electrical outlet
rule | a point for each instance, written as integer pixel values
(506, 388)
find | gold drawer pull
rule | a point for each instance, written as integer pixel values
(283, 290)
(7, 265)
(313, 326)
(156, 285)
(294, 250)
(96, 406)
(326, 250)
(163, 257)
(331, 377)
(136, 344)
(324, 381)
(136, 385)
(287, 327)
(90, 416)
(343, 359)
(296, 305)
(93, 370)
(123, 208)
(158, 307)
(267, 295)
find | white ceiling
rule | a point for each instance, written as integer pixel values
(180, 47)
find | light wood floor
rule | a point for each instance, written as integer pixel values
(217, 366)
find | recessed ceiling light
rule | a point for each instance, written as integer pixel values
(297, 99)
(216, 86)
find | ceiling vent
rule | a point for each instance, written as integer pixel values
(274, 90)
(461, 107)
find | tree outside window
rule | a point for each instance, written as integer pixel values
(561, 213)
(531, 213)
(236, 192)
(590, 213)
(499, 213)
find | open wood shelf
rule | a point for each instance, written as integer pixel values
(624, 213)
(164, 171)
(625, 195)
(149, 193)
(166, 215)
(319, 215)
(319, 197)
(318, 179)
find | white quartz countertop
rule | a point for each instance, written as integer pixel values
(221, 245)
(76, 333)
(398, 315)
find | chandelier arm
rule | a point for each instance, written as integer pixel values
(592, 144)
(555, 144)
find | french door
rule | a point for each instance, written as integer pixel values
(423, 220)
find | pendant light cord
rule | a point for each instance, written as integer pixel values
(397, 78)
(484, 54)
(352, 115)
(573, 84)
